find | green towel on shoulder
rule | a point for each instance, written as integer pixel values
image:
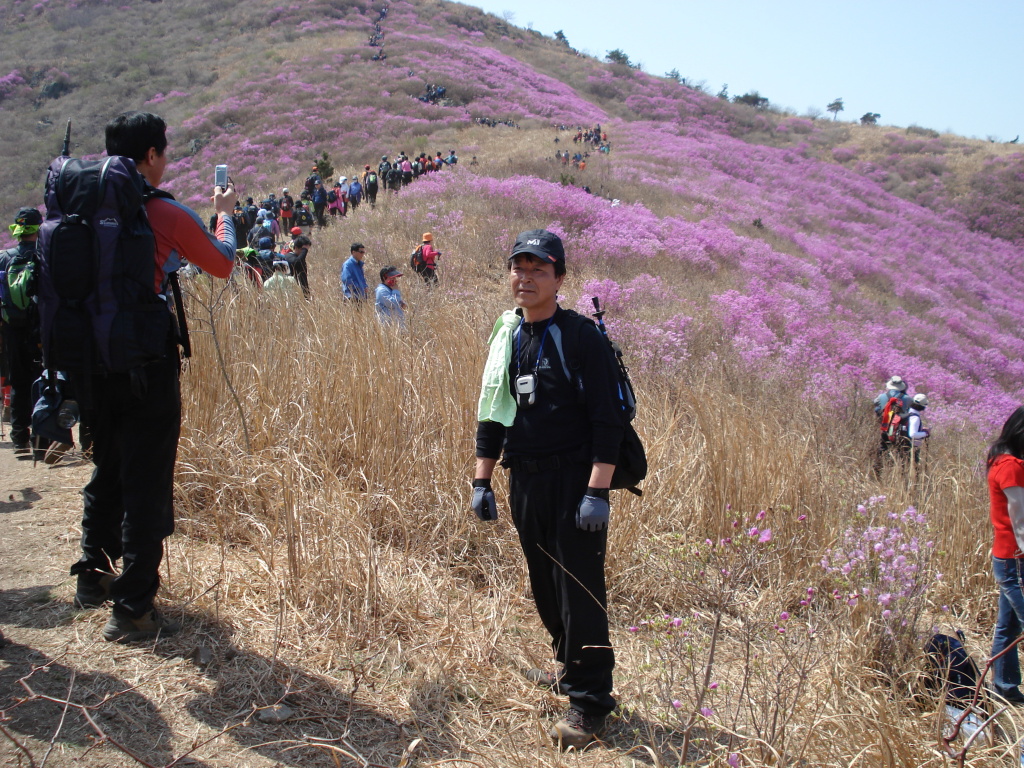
(496, 401)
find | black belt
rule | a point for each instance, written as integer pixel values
(537, 464)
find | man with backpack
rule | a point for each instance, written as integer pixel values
(319, 204)
(19, 323)
(554, 419)
(355, 194)
(126, 375)
(371, 186)
(297, 259)
(312, 180)
(250, 212)
(304, 218)
(891, 407)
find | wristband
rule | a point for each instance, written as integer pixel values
(482, 482)
(597, 493)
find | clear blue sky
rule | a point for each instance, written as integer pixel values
(956, 66)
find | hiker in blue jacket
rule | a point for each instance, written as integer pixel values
(353, 280)
(320, 203)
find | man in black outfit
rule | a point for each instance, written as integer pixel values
(136, 414)
(19, 336)
(560, 449)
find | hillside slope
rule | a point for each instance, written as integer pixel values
(789, 236)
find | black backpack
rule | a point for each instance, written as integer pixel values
(332, 196)
(371, 181)
(97, 261)
(952, 670)
(417, 261)
(631, 467)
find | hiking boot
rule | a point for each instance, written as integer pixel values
(56, 452)
(21, 447)
(93, 589)
(541, 678)
(151, 626)
(576, 729)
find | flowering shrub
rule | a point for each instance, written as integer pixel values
(845, 154)
(882, 568)
(768, 677)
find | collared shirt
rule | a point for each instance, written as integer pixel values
(353, 281)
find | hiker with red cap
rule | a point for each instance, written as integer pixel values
(424, 260)
(297, 259)
(388, 299)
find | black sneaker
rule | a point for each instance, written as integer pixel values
(125, 629)
(576, 729)
(93, 589)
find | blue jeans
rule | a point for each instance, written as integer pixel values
(1009, 575)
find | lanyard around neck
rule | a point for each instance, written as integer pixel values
(519, 344)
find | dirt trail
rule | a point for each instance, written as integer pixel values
(143, 698)
(189, 700)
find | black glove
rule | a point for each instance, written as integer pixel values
(483, 500)
(593, 512)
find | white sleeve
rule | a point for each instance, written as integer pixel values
(1015, 506)
(914, 431)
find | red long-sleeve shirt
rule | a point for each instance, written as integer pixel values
(180, 234)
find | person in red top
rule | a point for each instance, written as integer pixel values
(136, 416)
(428, 267)
(1006, 497)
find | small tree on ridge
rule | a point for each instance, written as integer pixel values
(835, 108)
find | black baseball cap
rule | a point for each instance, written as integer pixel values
(545, 245)
(30, 217)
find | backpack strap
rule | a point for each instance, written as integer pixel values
(150, 193)
(569, 345)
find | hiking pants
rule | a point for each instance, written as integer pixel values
(136, 420)
(23, 367)
(566, 567)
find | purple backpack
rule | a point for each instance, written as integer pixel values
(97, 264)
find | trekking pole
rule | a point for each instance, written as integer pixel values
(599, 316)
(628, 396)
(66, 149)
